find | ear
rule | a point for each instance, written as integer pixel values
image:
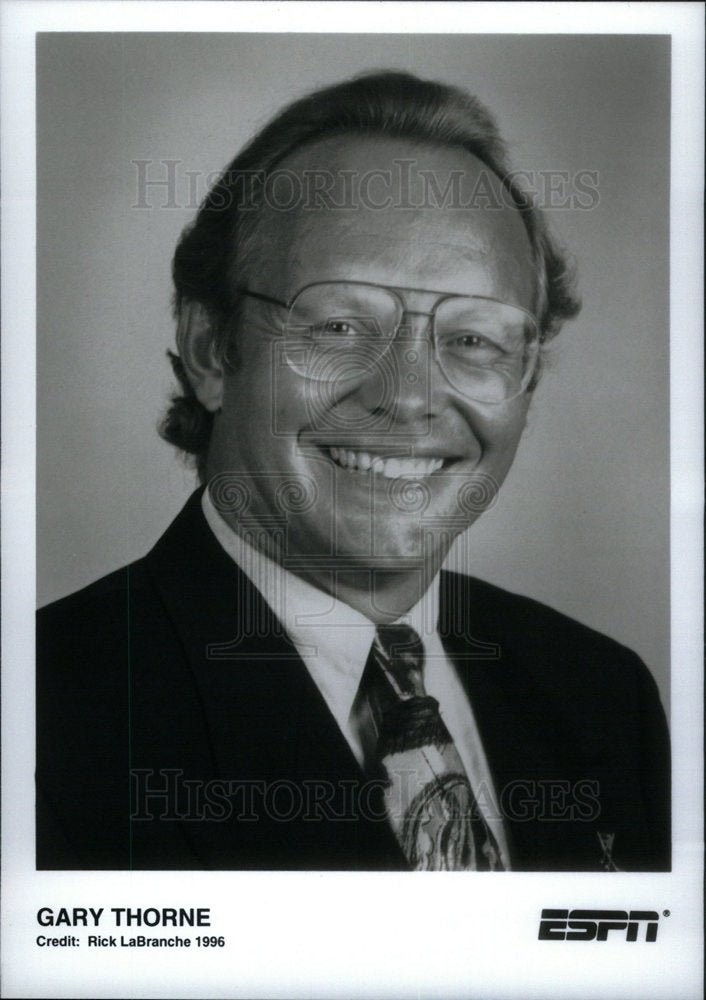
(197, 352)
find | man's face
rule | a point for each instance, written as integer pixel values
(278, 427)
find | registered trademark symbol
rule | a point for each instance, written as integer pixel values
(665, 913)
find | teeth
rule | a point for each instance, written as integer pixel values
(396, 467)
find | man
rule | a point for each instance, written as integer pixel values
(288, 679)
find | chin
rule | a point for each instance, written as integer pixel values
(408, 542)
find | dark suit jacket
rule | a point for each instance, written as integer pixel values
(177, 728)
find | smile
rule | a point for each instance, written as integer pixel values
(393, 467)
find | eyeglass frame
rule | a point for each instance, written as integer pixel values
(394, 291)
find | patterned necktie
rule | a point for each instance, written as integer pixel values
(428, 798)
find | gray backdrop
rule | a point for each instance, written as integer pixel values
(582, 521)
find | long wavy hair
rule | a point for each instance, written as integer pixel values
(215, 249)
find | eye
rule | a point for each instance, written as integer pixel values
(341, 327)
(472, 347)
(338, 328)
(331, 329)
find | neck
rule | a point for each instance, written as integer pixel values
(382, 596)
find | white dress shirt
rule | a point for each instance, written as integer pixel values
(334, 640)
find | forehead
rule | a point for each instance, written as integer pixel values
(393, 212)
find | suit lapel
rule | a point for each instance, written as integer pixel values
(259, 712)
(242, 662)
(526, 738)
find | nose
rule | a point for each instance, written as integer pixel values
(407, 383)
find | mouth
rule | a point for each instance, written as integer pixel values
(388, 466)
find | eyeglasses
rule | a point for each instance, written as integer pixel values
(337, 330)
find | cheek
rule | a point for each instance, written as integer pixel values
(253, 394)
(268, 414)
(289, 405)
(500, 429)
(301, 406)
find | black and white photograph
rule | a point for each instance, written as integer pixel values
(362, 305)
(354, 509)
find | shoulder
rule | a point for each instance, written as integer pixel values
(489, 605)
(549, 644)
(97, 597)
(96, 622)
(84, 650)
(132, 589)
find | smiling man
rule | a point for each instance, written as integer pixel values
(289, 679)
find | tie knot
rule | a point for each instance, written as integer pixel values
(403, 654)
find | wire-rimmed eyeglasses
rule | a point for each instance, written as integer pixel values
(335, 330)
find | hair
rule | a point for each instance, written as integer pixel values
(220, 242)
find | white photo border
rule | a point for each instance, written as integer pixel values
(324, 934)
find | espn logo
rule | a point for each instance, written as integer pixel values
(596, 925)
